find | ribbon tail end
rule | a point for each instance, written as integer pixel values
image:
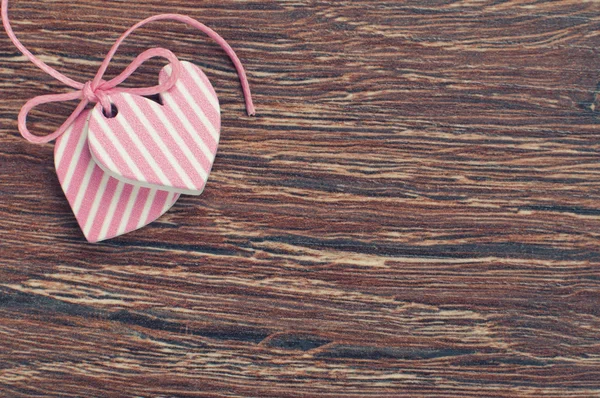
(250, 109)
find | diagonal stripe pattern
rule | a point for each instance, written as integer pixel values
(103, 206)
(170, 147)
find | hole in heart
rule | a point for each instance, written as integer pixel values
(114, 111)
(156, 98)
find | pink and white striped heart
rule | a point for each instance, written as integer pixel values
(103, 206)
(169, 145)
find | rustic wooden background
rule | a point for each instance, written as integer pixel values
(415, 211)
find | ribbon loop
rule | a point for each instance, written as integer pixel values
(46, 99)
(108, 86)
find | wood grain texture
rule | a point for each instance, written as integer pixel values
(415, 211)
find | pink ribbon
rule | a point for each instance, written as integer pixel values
(99, 90)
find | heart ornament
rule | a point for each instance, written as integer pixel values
(168, 145)
(126, 161)
(103, 206)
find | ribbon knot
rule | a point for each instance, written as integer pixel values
(93, 93)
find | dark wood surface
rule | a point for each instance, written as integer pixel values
(415, 211)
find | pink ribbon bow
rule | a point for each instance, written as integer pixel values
(98, 90)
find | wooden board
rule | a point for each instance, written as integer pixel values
(415, 210)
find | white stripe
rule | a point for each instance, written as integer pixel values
(149, 201)
(110, 215)
(99, 194)
(189, 98)
(83, 187)
(99, 118)
(193, 72)
(128, 209)
(143, 150)
(210, 94)
(68, 178)
(159, 141)
(184, 147)
(169, 202)
(190, 128)
(103, 154)
(62, 145)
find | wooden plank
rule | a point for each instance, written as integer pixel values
(413, 212)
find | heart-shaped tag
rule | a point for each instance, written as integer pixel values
(122, 171)
(103, 206)
(169, 145)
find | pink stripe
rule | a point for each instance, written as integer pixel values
(70, 145)
(102, 213)
(131, 149)
(136, 213)
(211, 113)
(110, 149)
(186, 135)
(120, 210)
(98, 219)
(186, 79)
(177, 97)
(90, 194)
(79, 172)
(205, 80)
(157, 206)
(153, 147)
(190, 169)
